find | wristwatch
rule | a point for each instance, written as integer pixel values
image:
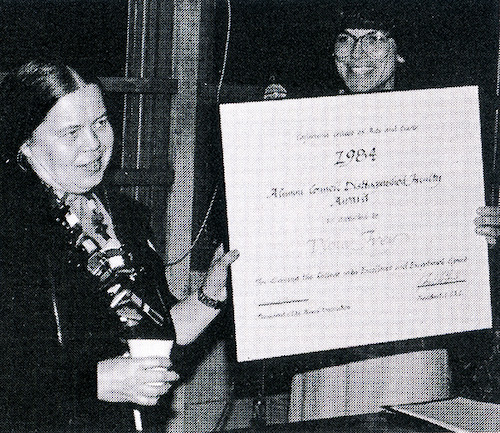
(208, 301)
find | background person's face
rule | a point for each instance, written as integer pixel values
(72, 147)
(363, 73)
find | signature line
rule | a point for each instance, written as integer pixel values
(442, 284)
(284, 302)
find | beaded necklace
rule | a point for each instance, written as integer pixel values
(110, 264)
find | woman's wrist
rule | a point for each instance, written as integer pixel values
(212, 300)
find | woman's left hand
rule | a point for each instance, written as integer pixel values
(488, 223)
(190, 316)
(215, 284)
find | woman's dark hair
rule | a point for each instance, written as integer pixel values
(378, 16)
(367, 18)
(363, 16)
(26, 96)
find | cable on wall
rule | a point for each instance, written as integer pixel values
(214, 195)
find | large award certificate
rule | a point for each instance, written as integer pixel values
(353, 216)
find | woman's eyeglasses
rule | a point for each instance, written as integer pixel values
(375, 44)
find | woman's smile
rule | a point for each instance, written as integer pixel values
(92, 166)
(71, 148)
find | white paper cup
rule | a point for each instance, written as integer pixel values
(139, 348)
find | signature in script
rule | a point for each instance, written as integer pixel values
(367, 240)
(441, 277)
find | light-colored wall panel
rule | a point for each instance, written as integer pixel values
(364, 386)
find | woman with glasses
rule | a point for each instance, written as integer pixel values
(366, 55)
(367, 58)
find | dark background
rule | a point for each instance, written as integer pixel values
(90, 35)
(445, 43)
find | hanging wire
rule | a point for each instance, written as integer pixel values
(226, 49)
(200, 231)
(214, 195)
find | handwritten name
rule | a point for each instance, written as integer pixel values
(376, 240)
(441, 295)
(368, 238)
(441, 277)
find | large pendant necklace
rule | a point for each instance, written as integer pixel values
(110, 264)
(100, 227)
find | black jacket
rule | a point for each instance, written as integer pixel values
(54, 325)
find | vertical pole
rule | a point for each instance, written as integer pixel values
(185, 61)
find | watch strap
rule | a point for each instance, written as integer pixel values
(208, 301)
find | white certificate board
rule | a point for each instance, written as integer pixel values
(353, 216)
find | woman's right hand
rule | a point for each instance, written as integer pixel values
(134, 380)
(488, 223)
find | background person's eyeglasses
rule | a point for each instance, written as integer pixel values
(375, 44)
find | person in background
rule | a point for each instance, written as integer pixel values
(368, 59)
(79, 272)
(365, 52)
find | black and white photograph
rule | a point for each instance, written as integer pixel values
(249, 216)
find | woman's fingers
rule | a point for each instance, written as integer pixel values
(144, 400)
(137, 380)
(491, 240)
(219, 252)
(217, 272)
(488, 223)
(229, 258)
(490, 233)
(153, 362)
(155, 379)
(159, 375)
(487, 220)
(154, 390)
(223, 260)
(489, 211)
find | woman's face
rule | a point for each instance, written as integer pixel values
(72, 147)
(361, 71)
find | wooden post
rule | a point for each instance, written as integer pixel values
(185, 60)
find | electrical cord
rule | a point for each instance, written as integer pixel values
(200, 231)
(228, 407)
(214, 195)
